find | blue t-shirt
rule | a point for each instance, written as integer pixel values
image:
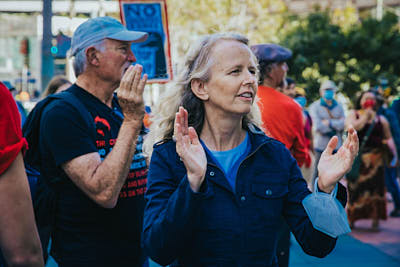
(230, 160)
(87, 234)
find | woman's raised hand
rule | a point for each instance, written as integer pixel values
(332, 167)
(190, 150)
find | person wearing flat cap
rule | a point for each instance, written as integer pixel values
(282, 117)
(329, 120)
(97, 169)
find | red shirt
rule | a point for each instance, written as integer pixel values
(11, 140)
(283, 120)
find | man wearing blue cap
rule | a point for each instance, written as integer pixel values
(282, 117)
(97, 169)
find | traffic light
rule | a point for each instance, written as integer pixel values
(54, 49)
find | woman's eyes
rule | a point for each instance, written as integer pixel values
(236, 71)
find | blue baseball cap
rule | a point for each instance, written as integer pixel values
(271, 52)
(97, 29)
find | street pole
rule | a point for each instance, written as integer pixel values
(47, 58)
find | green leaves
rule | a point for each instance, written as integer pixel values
(353, 54)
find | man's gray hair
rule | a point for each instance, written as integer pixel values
(79, 62)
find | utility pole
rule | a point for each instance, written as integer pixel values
(47, 57)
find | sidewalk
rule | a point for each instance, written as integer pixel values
(362, 247)
(349, 252)
(387, 239)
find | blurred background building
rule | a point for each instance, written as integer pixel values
(21, 35)
(21, 32)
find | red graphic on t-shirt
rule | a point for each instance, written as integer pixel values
(104, 122)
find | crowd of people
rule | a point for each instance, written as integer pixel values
(219, 175)
(376, 121)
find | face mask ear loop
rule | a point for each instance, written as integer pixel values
(333, 193)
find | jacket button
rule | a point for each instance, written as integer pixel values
(268, 192)
(212, 173)
(242, 198)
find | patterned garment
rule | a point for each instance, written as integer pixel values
(367, 194)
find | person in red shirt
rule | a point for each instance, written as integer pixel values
(282, 118)
(19, 239)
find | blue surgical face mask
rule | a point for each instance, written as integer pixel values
(329, 94)
(326, 213)
(301, 100)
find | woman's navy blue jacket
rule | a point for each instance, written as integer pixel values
(219, 227)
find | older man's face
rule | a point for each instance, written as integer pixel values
(116, 59)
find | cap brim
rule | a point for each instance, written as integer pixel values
(130, 36)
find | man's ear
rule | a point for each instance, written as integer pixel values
(91, 56)
(199, 89)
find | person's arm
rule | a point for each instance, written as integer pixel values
(389, 140)
(321, 124)
(102, 180)
(312, 241)
(338, 123)
(299, 149)
(19, 239)
(394, 127)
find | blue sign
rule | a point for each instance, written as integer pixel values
(153, 54)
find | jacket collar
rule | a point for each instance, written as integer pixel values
(257, 137)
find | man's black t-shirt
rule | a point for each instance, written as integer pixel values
(87, 234)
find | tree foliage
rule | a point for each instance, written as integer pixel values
(354, 52)
(355, 56)
(260, 21)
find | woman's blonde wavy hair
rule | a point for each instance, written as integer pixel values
(196, 65)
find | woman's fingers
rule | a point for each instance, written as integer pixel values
(331, 146)
(184, 138)
(175, 126)
(183, 120)
(186, 120)
(178, 134)
(353, 140)
(194, 139)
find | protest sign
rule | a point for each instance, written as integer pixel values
(154, 54)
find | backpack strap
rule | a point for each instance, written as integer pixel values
(367, 134)
(74, 101)
(31, 128)
(31, 131)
